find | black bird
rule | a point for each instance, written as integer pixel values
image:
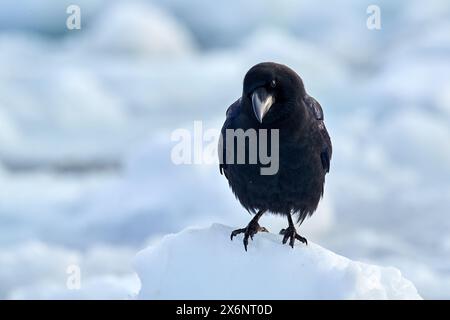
(274, 97)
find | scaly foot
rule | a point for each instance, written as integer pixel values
(252, 228)
(291, 234)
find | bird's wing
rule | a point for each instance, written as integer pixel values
(232, 112)
(316, 109)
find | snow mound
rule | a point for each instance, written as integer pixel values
(205, 264)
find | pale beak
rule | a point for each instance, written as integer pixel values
(262, 101)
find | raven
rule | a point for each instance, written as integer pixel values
(274, 98)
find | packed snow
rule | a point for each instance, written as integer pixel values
(86, 118)
(205, 264)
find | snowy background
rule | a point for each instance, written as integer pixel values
(86, 118)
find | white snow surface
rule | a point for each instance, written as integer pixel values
(204, 264)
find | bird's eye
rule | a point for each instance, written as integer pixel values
(273, 83)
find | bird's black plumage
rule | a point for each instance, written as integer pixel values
(304, 148)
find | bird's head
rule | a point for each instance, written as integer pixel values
(272, 90)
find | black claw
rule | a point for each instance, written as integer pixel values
(252, 229)
(245, 242)
(291, 242)
(291, 234)
(301, 239)
(285, 238)
(236, 232)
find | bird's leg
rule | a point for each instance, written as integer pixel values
(291, 234)
(252, 228)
